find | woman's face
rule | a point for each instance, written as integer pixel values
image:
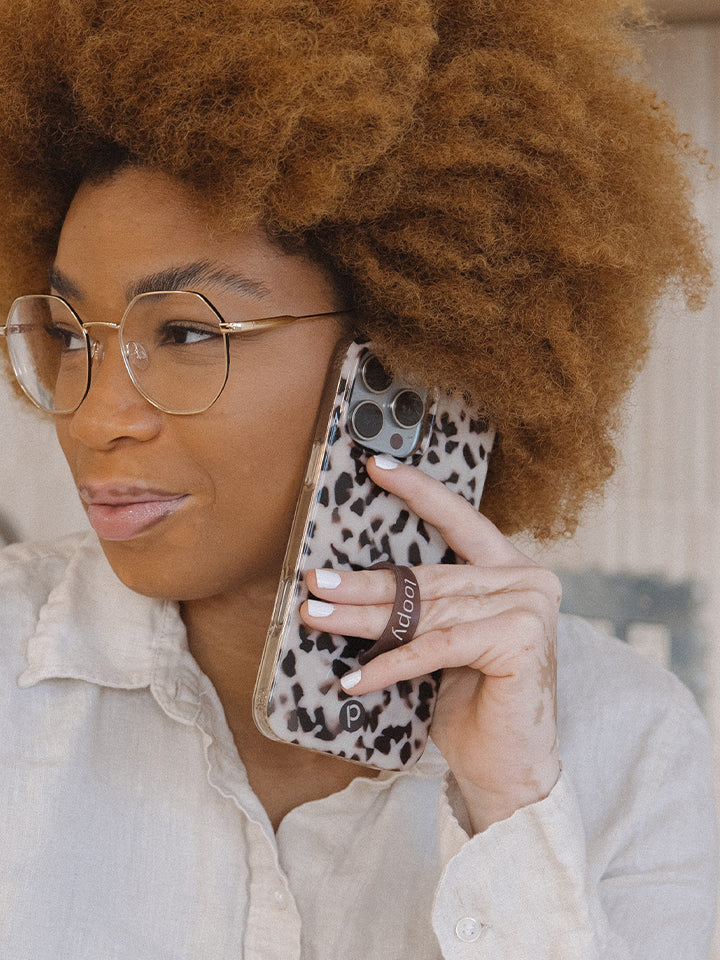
(188, 507)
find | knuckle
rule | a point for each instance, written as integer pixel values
(529, 627)
(547, 584)
(525, 621)
(540, 603)
(553, 587)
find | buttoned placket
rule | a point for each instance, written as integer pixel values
(272, 930)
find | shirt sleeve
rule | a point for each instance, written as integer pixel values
(536, 887)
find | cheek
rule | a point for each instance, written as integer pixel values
(254, 469)
(62, 433)
(264, 461)
(275, 417)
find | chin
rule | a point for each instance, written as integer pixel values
(163, 578)
(178, 574)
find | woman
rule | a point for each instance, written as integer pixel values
(453, 181)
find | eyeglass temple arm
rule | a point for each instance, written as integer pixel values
(240, 325)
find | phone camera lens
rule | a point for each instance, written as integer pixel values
(408, 408)
(375, 375)
(367, 420)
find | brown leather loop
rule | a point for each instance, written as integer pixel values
(401, 627)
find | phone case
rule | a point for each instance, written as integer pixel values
(344, 521)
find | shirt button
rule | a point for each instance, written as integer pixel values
(468, 929)
(280, 898)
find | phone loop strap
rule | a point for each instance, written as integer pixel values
(401, 627)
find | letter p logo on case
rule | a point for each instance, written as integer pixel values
(352, 715)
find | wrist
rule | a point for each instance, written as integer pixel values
(485, 807)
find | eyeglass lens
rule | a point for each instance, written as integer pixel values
(172, 343)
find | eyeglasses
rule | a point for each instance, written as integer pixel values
(174, 345)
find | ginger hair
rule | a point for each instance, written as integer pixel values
(504, 196)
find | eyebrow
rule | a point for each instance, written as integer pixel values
(64, 285)
(203, 273)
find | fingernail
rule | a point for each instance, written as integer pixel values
(327, 579)
(385, 463)
(316, 608)
(350, 680)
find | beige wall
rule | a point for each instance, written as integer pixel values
(37, 498)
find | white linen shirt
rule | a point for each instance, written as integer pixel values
(129, 830)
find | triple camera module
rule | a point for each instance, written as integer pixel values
(385, 416)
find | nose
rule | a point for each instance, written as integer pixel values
(113, 408)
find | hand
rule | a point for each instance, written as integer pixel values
(491, 626)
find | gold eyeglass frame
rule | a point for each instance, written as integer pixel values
(227, 328)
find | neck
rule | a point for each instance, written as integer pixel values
(226, 634)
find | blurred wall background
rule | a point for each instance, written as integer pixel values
(662, 513)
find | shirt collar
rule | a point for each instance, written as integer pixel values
(92, 627)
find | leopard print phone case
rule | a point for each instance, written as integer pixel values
(346, 522)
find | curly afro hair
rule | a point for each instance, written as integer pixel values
(504, 197)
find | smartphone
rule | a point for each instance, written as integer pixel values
(344, 521)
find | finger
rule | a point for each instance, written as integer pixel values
(369, 621)
(510, 646)
(434, 580)
(470, 534)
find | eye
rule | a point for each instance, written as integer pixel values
(184, 334)
(69, 338)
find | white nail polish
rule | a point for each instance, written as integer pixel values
(327, 579)
(350, 680)
(316, 608)
(385, 463)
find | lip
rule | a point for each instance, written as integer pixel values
(123, 512)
